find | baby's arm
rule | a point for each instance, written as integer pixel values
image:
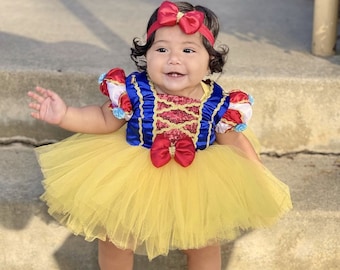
(49, 107)
(238, 140)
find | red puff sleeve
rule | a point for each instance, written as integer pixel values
(112, 84)
(238, 114)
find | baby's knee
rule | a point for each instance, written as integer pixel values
(206, 258)
(112, 257)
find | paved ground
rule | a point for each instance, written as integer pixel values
(65, 45)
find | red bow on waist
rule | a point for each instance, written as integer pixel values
(162, 150)
(190, 22)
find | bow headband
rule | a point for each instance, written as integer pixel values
(190, 22)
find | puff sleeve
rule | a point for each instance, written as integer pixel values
(112, 84)
(238, 114)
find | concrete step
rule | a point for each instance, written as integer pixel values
(290, 114)
(306, 238)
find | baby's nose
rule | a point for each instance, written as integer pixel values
(174, 58)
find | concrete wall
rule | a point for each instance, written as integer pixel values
(290, 114)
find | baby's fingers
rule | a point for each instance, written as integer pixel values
(40, 94)
(35, 115)
(42, 91)
(34, 105)
(35, 96)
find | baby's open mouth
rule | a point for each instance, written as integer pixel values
(174, 74)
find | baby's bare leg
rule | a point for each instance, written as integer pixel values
(207, 258)
(112, 258)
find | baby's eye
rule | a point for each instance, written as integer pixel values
(162, 50)
(188, 50)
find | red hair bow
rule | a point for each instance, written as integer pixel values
(163, 150)
(190, 22)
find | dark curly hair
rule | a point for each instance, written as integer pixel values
(218, 57)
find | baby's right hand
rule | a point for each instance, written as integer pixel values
(47, 106)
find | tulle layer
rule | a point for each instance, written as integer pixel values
(102, 188)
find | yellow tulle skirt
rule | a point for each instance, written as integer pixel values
(100, 187)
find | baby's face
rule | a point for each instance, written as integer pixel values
(176, 62)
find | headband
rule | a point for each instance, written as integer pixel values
(190, 22)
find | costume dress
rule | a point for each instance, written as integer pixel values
(161, 182)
